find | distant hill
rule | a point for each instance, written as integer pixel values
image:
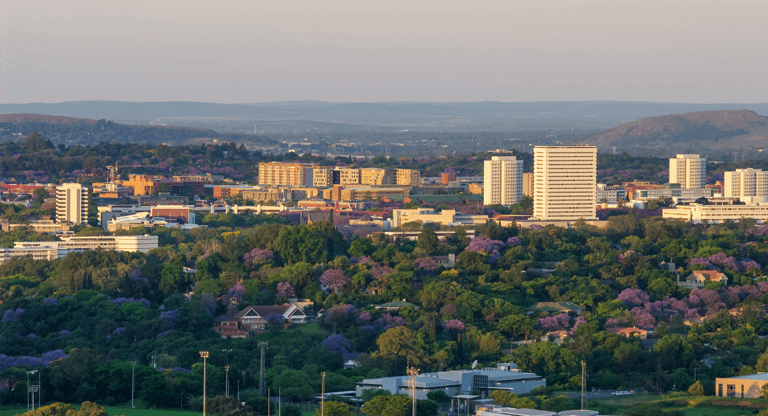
(726, 129)
(70, 131)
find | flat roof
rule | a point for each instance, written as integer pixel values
(758, 376)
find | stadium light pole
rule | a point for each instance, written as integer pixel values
(133, 381)
(226, 390)
(322, 398)
(204, 355)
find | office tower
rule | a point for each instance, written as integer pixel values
(322, 177)
(72, 204)
(690, 171)
(502, 180)
(564, 182)
(746, 183)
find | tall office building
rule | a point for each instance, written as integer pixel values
(690, 171)
(502, 180)
(565, 180)
(322, 177)
(72, 204)
(746, 183)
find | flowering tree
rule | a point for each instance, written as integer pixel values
(363, 317)
(257, 256)
(633, 297)
(484, 245)
(454, 325)
(234, 295)
(137, 277)
(338, 344)
(514, 241)
(164, 333)
(555, 322)
(448, 311)
(368, 329)
(51, 302)
(64, 333)
(426, 263)
(285, 290)
(170, 318)
(12, 315)
(275, 319)
(387, 321)
(339, 314)
(580, 320)
(118, 330)
(334, 279)
(379, 272)
(120, 301)
(643, 318)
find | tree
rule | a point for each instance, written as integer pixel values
(395, 342)
(334, 409)
(334, 280)
(696, 389)
(228, 406)
(428, 241)
(260, 404)
(439, 396)
(300, 244)
(762, 363)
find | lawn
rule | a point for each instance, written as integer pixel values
(127, 411)
(690, 406)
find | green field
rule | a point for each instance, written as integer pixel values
(127, 411)
(690, 406)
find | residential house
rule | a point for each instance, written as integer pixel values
(633, 332)
(558, 337)
(256, 318)
(699, 278)
(445, 261)
(396, 305)
(229, 326)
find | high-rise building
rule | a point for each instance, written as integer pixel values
(278, 173)
(565, 180)
(746, 183)
(503, 180)
(346, 176)
(410, 177)
(528, 184)
(690, 171)
(72, 204)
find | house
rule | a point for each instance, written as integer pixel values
(396, 305)
(229, 326)
(629, 332)
(566, 307)
(256, 318)
(445, 261)
(558, 337)
(699, 278)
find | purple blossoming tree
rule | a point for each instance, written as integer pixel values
(454, 325)
(334, 279)
(285, 289)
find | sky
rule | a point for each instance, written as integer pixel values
(249, 51)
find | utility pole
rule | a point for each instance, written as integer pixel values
(279, 400)
(322, 397)
(413, 372)
(226, 390)
(133, 381)
(269, 401)
(583, 380)
(263, 345)
(204, 355)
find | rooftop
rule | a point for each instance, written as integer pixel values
(758, 376)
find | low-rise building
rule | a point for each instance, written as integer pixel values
(51, 250)
(697, 213)
(505, 376)
(429, 215)
(259, 318)
(610, 193)
(741, 386)
(674, 190)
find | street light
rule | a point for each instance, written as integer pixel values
(31, 389)
(413, 372)
(226, 368)
(204, 355)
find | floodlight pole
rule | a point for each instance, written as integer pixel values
(133, 380)
(204, 355)
(226, 390)
(413, 372)
(322, 398)
(583, 376)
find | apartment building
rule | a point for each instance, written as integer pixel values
(745, 183)
(346, 176)
(690, 171)
(278, 173)
(409, 177)
(377, 176)
(72, 204)
(322, 177)
(503, 180)
(565, 180)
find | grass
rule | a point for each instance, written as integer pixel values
(689, 406)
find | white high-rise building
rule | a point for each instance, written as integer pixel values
(690, 171)
(564, 182)
(745, 183)
(503, 180)
(72, 204)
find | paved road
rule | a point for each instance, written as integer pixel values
(593, 395)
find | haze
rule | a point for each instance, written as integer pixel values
(360, 51)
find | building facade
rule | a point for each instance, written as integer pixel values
(690, 171)
(745, 183)
(376, 176)
(51, 250)
(409, 177)
(565, 180)
(610, 193)
(698, 213)
(528, 184)
(741, 386)
(278, 173)
(503, 180)
(72, 204)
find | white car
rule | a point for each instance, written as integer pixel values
(621, 393)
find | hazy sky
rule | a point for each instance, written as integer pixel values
(413, 50)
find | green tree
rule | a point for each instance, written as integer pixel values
(300, 244)
(335, 409)
(696, 389)
(227, 406)
(428, 241)
(762, 362)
